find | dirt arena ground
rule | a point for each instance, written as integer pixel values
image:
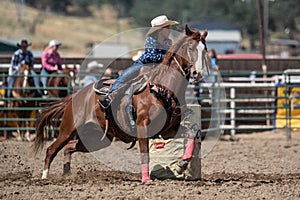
(256, 166)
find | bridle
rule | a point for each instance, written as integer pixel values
(184, 74)
(191, 64)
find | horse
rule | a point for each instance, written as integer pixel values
(62, 81)
(158, 107)
(22, 90)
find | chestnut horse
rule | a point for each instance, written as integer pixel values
(23, 88)
(62, 81)
(158, 109)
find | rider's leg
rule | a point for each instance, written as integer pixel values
(44, 79)
(128, 74)
(36, 81)
(10, 82)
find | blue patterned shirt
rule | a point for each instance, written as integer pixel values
(154, 51)
(20, 57)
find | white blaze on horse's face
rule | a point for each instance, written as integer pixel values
(203, 63)
(26, 72)
(72, 74)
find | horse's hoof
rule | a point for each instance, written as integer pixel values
(146, 179)
(45, 173)
(181, 166)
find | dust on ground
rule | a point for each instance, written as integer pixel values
(255, 166)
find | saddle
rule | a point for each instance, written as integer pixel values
(131, 88)
(124, 94)
(102, 86)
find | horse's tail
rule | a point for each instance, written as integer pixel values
(49, 116)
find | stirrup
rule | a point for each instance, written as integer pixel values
(104, 102)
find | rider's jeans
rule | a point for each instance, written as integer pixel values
(128, 74)
(44, 78)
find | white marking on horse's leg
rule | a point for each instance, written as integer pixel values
(19, 135)
(27, 136)
(45, 173)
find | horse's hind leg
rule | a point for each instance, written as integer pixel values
(70, 148)
(27, 132)
(64, 137)
(78, 146)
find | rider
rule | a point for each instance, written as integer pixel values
(157, 44)
(51, 62)
(21, 56)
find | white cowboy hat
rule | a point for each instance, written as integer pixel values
(54, 43)
(93, 65)
(160, 22)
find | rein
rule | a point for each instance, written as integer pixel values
(184, 74)
(180, 68)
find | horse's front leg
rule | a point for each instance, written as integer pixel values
(144, 151)
(189, 150)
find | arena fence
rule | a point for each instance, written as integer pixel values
(9, 115)
(255, 102)
(245, 101)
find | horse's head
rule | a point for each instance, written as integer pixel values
(24, 69)
(24, 81)
(71, 72)
(185, 53)
(196, 42)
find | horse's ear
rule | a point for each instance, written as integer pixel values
(205, 33)
(188, 31)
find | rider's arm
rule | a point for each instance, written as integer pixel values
(15, 61)
(59, 62)
(31, 59)
(152, 53)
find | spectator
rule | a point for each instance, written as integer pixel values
(51, 62)
(92, 70)
(201, 91)
(214, 65)
(21, 56)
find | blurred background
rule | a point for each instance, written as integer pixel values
(78, 24)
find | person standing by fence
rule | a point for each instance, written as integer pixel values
(214, 65)
(92, 70)
(21, 56)
(51, 62)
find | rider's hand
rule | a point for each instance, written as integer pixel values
(16, 68)
(55, 68)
